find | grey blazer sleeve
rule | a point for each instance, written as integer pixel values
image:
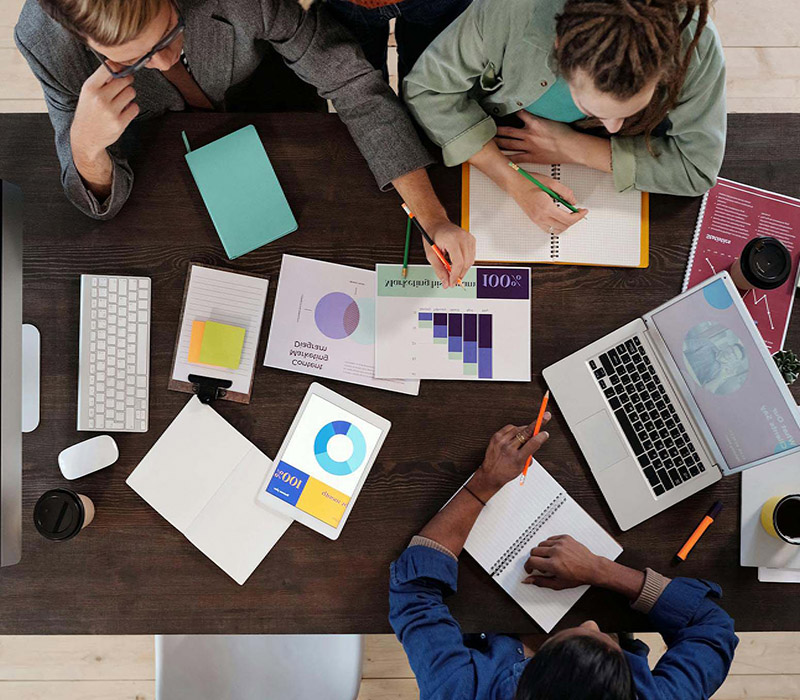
(321, 52)
(61, 103)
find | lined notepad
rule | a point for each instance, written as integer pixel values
(515, 521)
(615, 234)
(228, 298)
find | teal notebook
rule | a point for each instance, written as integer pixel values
(241, 191)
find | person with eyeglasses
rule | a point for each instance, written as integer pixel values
(103, 63)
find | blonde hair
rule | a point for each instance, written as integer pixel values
(106, 22)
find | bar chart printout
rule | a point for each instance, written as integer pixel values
(479, 332)
(468, 338)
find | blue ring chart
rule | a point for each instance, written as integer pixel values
(354, 461)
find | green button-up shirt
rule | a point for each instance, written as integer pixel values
(495, 59)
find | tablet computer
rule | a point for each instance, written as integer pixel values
(324, 460)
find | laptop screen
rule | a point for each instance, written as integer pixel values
(743, 405)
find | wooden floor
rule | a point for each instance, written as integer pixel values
(122, 668)
(762, 46)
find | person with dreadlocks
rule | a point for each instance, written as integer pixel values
(630, 87)
(577, 663)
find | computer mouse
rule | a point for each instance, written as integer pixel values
(88, 456)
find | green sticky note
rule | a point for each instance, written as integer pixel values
(222, 345)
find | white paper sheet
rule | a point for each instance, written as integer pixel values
(777, 478)
(480, 331)
(766, 575)
(324, 324)
(202, 476)
(225, 297)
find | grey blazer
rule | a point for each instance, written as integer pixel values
(225, 41)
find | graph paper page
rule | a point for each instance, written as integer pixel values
(612, 234)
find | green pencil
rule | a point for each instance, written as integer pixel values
(543, 187)
(408, 242)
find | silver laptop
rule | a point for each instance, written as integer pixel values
(666, 405)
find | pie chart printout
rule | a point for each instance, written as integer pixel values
(337, 315)
(340, 448)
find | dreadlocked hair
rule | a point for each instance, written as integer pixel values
(626, 44)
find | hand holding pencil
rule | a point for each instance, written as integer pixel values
(509, 450)
(451, 254)
(550, 204)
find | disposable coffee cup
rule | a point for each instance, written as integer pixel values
(765, 263)
(60, 514)
(780, 517)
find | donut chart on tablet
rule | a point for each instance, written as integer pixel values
(344, 435)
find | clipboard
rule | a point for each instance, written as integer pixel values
(227, 296)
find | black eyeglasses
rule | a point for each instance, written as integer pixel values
(176, 31)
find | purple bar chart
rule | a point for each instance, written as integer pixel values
(468, 338)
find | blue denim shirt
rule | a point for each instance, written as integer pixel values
(698, 633)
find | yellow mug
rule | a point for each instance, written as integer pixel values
(780, 517)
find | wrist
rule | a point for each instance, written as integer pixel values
(618, 578)
(604, 573)
(86, 154)
(592, 151)
(483, 485)
(575, 147)
(433, 220)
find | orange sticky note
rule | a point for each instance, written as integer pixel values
(196, 340)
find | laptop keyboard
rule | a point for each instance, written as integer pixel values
(646, 415)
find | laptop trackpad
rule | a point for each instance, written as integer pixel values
(600, 442)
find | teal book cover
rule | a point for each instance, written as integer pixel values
(241, 191)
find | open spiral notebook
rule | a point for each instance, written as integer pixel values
(516, 520)
(615, 233)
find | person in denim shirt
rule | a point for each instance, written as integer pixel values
(577, 663)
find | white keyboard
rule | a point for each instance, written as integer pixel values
(114, 358)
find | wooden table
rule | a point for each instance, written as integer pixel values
(132, 573)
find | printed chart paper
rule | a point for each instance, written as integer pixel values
(324, 324)
(731, 215)
(479, 332)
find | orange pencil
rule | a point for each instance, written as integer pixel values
(536, 430)
(698, 533)
(436, 249)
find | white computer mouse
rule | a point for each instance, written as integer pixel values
(88, 456)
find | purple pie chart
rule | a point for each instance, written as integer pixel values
(337, 315)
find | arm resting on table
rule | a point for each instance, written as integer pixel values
(61, 107)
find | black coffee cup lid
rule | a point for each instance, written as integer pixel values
(59, 514)
(766, 263)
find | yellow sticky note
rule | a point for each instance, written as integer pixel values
(222, 345)
(196, 340)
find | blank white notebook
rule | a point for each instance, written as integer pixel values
(202, 476)
(515, 521)
(615, 234)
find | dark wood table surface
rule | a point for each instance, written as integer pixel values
(131, 572)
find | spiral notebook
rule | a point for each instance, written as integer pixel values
(516, 520)
(615, 234)
(731, 215)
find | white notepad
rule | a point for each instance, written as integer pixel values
(224, 297)
(615, 234)
(759, 484)
(202, 476)
(516, 520)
